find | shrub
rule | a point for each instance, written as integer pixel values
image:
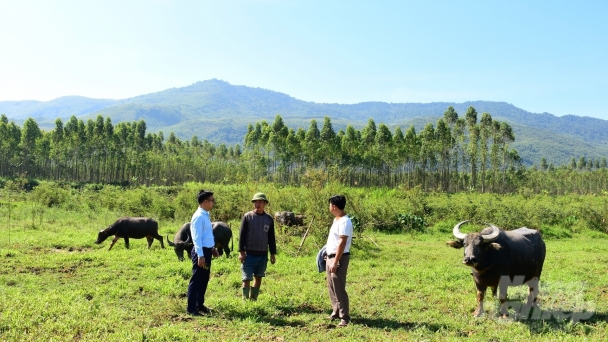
(162, 208)
(184, 204)
(551, 232)
(136, 202)
(408, 223)
(50, 195)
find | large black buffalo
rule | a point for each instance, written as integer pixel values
(182, 241)
(501, 258)
(131, 227)
(288, 218)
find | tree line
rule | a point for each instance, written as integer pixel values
(454, 154)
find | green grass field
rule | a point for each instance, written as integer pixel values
(57, 285)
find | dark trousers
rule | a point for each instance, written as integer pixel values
(336, 285)
(199, 280)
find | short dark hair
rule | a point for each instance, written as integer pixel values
(203, 195)
(338, 200)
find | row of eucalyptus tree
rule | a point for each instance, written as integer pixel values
(454, 154)
(98, 151)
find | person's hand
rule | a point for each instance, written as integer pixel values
(201, 262)
(242, 257)
(332, 267)
(273, 259)
(215, 253)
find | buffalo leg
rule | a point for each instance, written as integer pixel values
(114, 241)
(160, 238)
(533, 291)
(127, 242)
(502, 295)
(481, 292)
(150, 240)
(189, 249)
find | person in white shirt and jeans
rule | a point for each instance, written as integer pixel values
(338, 256)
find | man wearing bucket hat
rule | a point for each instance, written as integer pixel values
(255, 239)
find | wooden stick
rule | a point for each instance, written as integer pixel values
(371, 240)
(305, 234)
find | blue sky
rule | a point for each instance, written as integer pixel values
(541, 56)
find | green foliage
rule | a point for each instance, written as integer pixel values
(163, 208)
(138, 203)
(51, 195)
(407, 223)
(374, 209)
(357, 228)
(556, 232)
(452, 155)
(18, 183)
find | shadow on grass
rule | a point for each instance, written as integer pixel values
(391, 324)
(284, 316)
(379, 323)
(280, 317)
(598, 317)
(543, 321)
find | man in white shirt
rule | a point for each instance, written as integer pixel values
(338, 256)
(204, 248)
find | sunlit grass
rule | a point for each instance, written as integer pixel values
(56, 284)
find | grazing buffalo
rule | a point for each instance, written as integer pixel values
(501, 258)
(131, 227)
(182, 241)
(288, 218)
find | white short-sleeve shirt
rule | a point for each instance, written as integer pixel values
(341, 226)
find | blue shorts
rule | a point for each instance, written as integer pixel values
(254, 265)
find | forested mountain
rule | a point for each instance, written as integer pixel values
(220, 112)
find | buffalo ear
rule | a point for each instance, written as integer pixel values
(455, 244)
(493, 245)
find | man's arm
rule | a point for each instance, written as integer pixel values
(242, 234)
(272, 242)
(345, 230)
(341, 246)
(333, 268)
(196, 227)
(208, 231)
(242, 238)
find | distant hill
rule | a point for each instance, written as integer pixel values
(63, 107)
(220, 112)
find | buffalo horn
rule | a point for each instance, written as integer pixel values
(169, 242)
(492, 236)
(456, 231)
(188, 241)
